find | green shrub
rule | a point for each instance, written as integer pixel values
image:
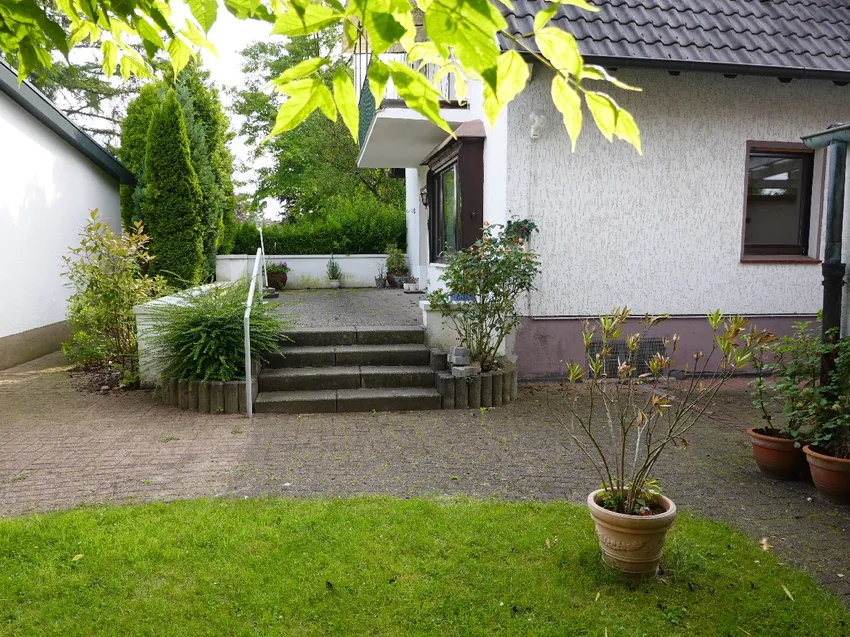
(202, 336)
(483, 284)
(396, 263)
(333, 270)
(173, 199)
(106, 273)
(354, 227)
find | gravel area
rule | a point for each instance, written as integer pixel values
(356, 306)
(62, 447)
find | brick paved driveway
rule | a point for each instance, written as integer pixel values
(60, 447)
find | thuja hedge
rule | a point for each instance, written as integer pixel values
(350, 229)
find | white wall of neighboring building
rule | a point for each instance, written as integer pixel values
(662, 232)
(47, 189)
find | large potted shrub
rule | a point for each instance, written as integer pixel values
(277, 275)
(794, 364)
(482, 286)
(396, 266)
(623, 412)
(828, 453)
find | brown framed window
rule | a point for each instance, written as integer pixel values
(455, 194)
(778, 202)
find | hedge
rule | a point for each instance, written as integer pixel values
(353, 228)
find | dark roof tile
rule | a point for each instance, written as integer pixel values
(781, 37)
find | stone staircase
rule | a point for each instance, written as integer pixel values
(350, 369)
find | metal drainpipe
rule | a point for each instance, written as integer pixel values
(832, 267)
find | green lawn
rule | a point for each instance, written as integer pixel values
(380, 566)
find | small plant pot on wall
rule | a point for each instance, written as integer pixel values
(334, 284)
(631, 544)
(776, 455)
(831, 475)
(276, 272)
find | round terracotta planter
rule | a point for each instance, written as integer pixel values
(631, 544)
(777, 457)
(277, 280)
(830, 475)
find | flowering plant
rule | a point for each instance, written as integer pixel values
(277, 268)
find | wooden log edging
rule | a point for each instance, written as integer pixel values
(489, 389)
(207, 397)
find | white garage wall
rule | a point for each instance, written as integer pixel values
(46, 191)
(662, 232)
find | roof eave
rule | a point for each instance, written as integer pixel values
(36, 104)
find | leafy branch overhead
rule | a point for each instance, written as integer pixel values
(459, 37)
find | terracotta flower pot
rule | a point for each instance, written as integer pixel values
(631, 543)
(830, 475)
(391, 280)
(777, 457)
(277, 280)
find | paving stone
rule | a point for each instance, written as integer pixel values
(386, 335)
(396, 376)
(382, 355)
(388, 399)
(318, 336)
(297, 356)
(310, 378)
(296, 402)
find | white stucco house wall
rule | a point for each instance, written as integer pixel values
(51, 175)
(725, 208)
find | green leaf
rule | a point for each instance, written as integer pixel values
(627, 129)
(593, 72)
(417, 93)
(467, 28)
(427, 52)
(307, 67)
(179, 53)
(315, 18)
(604, 112)
(545, 15)
(385, 22)
(560, 48)
(568, 102)
(503, 82)
(148, 33)
(304, 97)
(110, 57)
(243, 9)
(378, 75)
(197, 38)
(346, 101)
(204, 11)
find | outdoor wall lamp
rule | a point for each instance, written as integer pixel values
(423, 196)
(538, 119)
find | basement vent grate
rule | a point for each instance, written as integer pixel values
(648, 347)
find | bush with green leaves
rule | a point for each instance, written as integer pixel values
(483, 283)
(396, 263)
(361, 227)
(333, 269)
(173, 199)
(107, 273)
(201, 335)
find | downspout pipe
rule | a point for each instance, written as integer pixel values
(833, 269)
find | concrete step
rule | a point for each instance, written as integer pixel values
(396, 376)
(387, 399)
(412, 354)
(296, 402)
(360, 335)
(348, 355)
(345, 377)
(309, 378)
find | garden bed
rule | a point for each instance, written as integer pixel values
(385, 567)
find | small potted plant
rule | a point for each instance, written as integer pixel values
(396, 266)
(796, 367)
(381, 279)
(334, 272)
(624, 423)
(828, 453)
(277, 275)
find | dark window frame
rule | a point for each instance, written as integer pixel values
(466, 154)
(792, 253)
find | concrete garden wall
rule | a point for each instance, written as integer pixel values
(307, 271)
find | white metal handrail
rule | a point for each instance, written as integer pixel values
(265, 269)
(249, 390)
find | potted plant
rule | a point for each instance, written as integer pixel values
(623, 412)
(828, 453)
(277, 274)
(381, 279)
(334, 272)
(796, 367)
(396, 266)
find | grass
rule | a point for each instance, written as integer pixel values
(380, 566)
